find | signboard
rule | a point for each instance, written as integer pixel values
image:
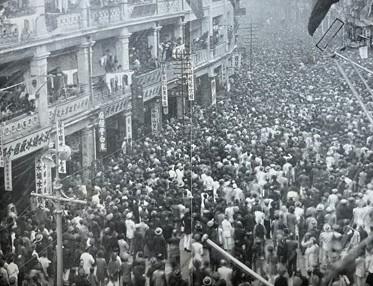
(129, 127)
(190, 79)
(155, 118)
(40, 179)
(330, 34)
(213, 91)
(102, 132)
(363, 51)
(1, 147)
(8, 183)
(60, 133)
(164, 89)
(27, 145)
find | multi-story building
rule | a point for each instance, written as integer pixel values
(82, 63)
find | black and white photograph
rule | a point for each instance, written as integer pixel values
(186, 142)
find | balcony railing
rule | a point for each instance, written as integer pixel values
(149, 78)
(200, 57)
(68, 108)
(21, 124)
(169, 6)
(110, 86)
(59, 22)
(142, 10)
(220, 50)
(102, 16)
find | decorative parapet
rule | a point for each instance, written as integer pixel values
(68, 109)
(21, 125)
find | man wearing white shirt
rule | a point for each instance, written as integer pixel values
(88, 261)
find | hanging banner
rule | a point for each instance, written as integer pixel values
(1, 147)
(190, 78)
(40, 179)
(61, 142)
(102, 132)
(164, 89)
(129, 127)
(155, 119)
(213, 91)
(8, 181)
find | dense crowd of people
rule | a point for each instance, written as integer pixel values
(279, 174)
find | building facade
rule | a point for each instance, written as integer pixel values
(89, 74)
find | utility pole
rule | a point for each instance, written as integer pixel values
(58, 199)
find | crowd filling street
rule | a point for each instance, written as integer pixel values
(279, 174)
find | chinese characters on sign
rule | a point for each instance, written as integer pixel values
(164, 91)
(101, 131)
(61, 142)
(41, 179)
(190, 79)
(213, 91)
(155, 118)
(8, 175)
(1, 147)
(21, 147)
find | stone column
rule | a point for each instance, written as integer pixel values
(179, 107)
(84, 13)
(122, 49)
(38, 71)
(85, 66)
(181, 30)
(156, 42)
(88, 151)
(40, 25)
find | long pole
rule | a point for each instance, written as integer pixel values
(354, 92)
(57, 187)
(363, 80)
(354, 63)
(237, 262)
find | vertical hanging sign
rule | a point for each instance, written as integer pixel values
(8, 174)
(61, 142)
(40, 178)
(1, 147)
(164, 90)
(190, 75)
(102, 132)
(213, 91)
(155, 118)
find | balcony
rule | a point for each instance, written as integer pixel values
(70, 102)
(67, 109)
(169, 6)
(21, 124)
(103, 16)
(61, 22)
(148, 78)
(110, 87)
(200, 57)
(219, 50)
(142, 10)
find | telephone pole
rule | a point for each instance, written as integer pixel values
(58, 200)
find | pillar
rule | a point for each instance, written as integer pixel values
(179, 107)
(40, 25)
(181, 30)
(155, 41)
(85, 66)
(84, 6)
(122, 49)
(39, 70)
(88, 151)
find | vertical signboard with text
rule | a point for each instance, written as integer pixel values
(102, 132)
(213, 91)
(190, 79)
(155, 118)
(164, 90)
(61, 142)
(8, 180)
